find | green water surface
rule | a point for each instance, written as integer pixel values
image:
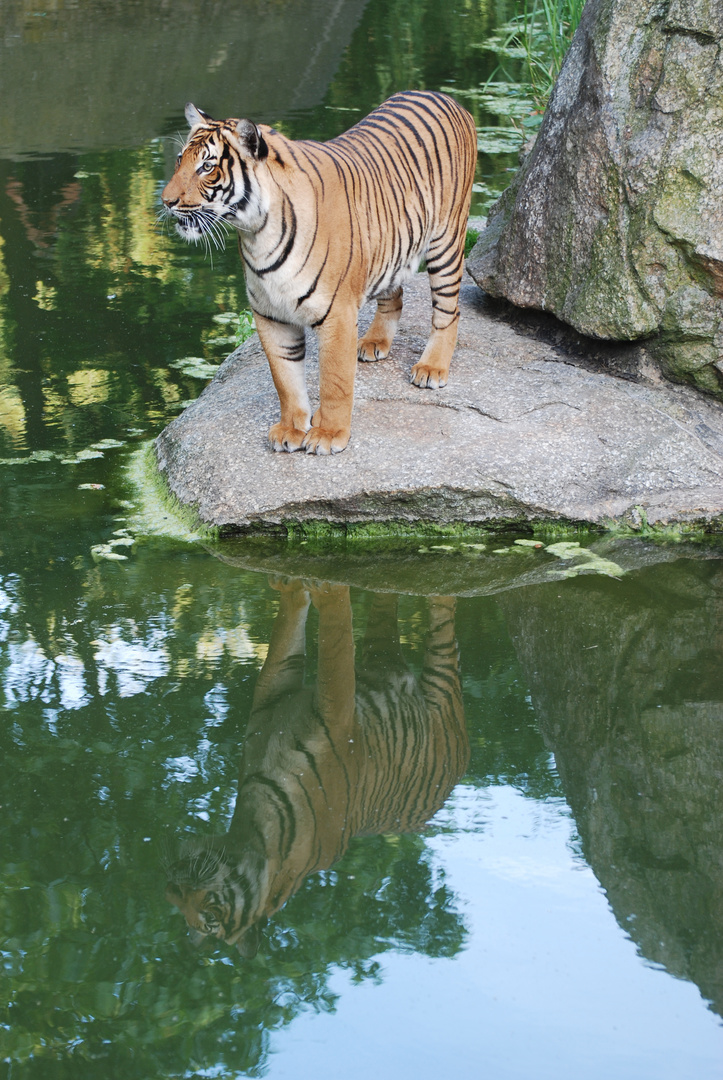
(480, 780)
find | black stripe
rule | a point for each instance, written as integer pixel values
(287, 818)
(315, 282)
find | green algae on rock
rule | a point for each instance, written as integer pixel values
(156, 511)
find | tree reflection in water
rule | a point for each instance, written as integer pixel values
(125, 728)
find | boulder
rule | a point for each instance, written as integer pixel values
(516, 436)
(615, 220)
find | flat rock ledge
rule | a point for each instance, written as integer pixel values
(527, 430)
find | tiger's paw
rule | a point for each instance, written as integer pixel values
(373, 348)
(429, 375)
(318, 589)
(283, 584)
(319, 440)
(284, 437)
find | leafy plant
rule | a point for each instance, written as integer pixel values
(245, 327)
(539, 35)
(530, 49)
(543, 32)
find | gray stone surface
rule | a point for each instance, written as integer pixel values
(516, 435)
(615, 220)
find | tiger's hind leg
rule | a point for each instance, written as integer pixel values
(445, 265)
(377, 341)
(441, 683)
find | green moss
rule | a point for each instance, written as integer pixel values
(157, 511)
(386, 530)
(666, 534)
(470, 241)
(635, 526)
(373, 531)
(548, 531)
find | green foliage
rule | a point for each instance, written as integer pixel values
(152, 297)
(470, 241)
(539, 35)
(529, 49)
(246, 327)
(546, 30)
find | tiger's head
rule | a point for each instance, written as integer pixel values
(216, 177)
(220, 895)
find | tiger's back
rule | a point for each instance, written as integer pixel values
(391, 191)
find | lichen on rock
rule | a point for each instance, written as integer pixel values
(614, 222)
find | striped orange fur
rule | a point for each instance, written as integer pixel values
(324, 227)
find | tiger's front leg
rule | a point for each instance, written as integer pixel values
(283, 669)
(336, 679)
(285, 348)
(331, 424)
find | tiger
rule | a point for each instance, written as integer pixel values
(351, 755)
(325, 227)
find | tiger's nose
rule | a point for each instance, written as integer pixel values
(170, 203)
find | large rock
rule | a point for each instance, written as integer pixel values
(615, 221)
(515, 436)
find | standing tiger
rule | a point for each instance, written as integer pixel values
(324, 227)
(352, 755)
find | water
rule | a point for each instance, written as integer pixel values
(529, 838)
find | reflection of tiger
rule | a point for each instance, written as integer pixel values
(323, 227)
(350, 756)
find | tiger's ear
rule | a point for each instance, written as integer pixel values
(251, 139)
(196, 116)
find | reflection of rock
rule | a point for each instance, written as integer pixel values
(95, 76)
(627, 682)
(447, 565)
(351, 756)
